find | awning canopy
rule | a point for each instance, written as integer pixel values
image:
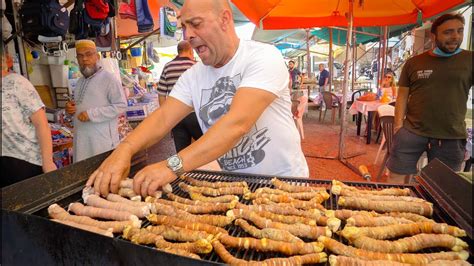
(290, 14)
(339, 35)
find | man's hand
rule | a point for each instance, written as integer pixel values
(396, 128)
(83, 117)
(152, 177)
(109, 174)
(49, 166)
(294, 107)
(70, 107)
(397, 125)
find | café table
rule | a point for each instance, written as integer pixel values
(367, 108)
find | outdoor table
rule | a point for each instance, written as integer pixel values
(318, 98)
(367, 108)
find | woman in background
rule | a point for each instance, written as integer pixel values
(389, 86)
(27, 148)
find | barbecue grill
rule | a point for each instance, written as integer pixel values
(29, 237)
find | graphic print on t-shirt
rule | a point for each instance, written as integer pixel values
(424, 74)
(215, 102)
(248, 152)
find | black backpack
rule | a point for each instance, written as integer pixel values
(43, 17)
(76, 20)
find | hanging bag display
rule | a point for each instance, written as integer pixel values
(97, 9)
(43, 17)
(76, 17)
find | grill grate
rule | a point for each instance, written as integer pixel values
(258, 181)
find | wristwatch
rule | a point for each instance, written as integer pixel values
(175, 164)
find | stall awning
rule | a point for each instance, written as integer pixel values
(339, 35)
(287, 14)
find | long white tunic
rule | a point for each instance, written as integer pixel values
(101, 95)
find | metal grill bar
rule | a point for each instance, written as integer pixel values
(258, 181)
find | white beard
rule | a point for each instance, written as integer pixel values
(88, 71)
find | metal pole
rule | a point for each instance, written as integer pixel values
(354, 61)
(331, 60)
(346, 77)
(141, 39)
(308, 56)
(386, 50)
(21, 48)
(384, 53)
(378, 61)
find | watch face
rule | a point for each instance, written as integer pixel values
(173, 161)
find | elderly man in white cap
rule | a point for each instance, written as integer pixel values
(98, 101)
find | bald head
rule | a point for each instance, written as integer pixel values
(215, 7)
(208, 25)
(184, 47)
(221, 5)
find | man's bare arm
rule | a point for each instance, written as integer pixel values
(161, 99)
(157, 125)
(117, 166)
(401, 107)
(225, 134)
(247, 106)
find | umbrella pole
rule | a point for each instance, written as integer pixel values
(346, 77)
(331, 59)
(378, 62)
(384, 52)
(308, 56)
(354, 61)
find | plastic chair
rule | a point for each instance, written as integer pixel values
(379, 129)
(386, 114)
(355, 95)
(331, 101)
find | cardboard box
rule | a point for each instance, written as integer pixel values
(59, 75)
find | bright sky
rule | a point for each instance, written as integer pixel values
(245, 31)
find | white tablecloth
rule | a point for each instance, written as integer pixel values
(364, 107)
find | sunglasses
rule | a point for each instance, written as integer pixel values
(388, 77)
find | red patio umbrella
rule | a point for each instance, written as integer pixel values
(291, 14)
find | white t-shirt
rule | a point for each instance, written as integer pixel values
(19, 101)
(272, 147)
